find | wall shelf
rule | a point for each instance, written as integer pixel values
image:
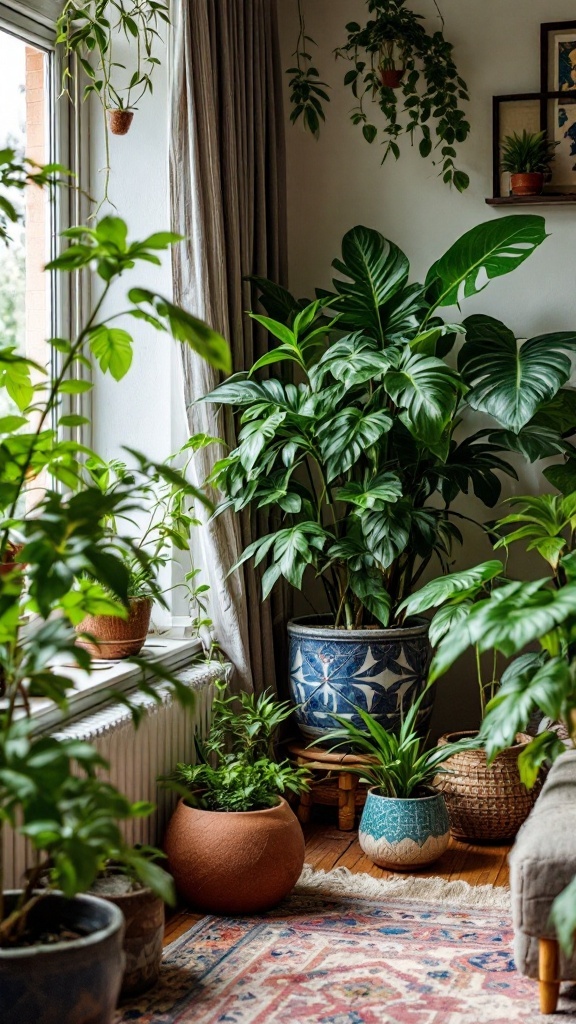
(552, 199)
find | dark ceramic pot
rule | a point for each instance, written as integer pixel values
(143, 914)
(73, 982)
(381, 671)
(404, 834)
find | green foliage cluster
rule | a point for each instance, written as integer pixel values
(236, 769)
(399, 765)
(365, 456)
(528, 153)
(69, 566)
(307, 92)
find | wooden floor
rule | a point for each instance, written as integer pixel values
(327, 848)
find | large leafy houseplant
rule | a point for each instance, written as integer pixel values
(49, 787)
(364, 456)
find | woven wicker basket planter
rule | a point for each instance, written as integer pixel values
(486, 803)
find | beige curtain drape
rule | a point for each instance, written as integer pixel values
(228, 199)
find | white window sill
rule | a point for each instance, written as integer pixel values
(89, 691)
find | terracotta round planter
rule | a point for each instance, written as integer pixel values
(527, 184)
(143, 914)
(120, 121)
(487, 803)
(238, 862)
(392, 77)
(116, 638)
(65, 982)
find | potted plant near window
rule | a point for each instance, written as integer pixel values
(404, 823)
(358, 453)
(527, 158)
(61, 951)
(234, 845)
(491, 790)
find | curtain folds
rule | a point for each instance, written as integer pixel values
(227, 175)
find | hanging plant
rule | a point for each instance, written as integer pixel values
(306, 89)
(412, 77)
(90, 30)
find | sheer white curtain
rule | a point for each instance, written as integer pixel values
(228, 199)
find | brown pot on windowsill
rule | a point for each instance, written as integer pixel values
(120, 121)
(527, 184)
(110, 637)
(392, 77)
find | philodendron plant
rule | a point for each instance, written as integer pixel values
(364, 456)
(49, 788)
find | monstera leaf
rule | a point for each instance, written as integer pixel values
(508, 380)
(487, 251)
(426, 390)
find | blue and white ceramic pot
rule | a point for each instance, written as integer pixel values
(382, 671)
(404, 834)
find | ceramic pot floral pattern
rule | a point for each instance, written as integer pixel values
(403, 834)
(379, 670)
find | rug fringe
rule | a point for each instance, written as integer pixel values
(342, 882)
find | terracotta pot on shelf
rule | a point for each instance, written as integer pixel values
(236, 862)
(527, 184)
(486, 803)
(392, 77)
(120, 121)
(116, 638)
(143, 914)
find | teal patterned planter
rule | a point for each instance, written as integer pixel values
(404, 834)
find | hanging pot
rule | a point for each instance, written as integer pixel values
(120, 121)
(392, 77)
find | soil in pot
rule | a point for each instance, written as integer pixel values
(116, 638)
(237, 862)
(120, 121)
(527, 184)
(403, 834)
(485, 803)
(333, 669)
(75, 981)
(143, 914)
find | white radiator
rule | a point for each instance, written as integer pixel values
(137, 757)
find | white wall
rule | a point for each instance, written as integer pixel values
(338, 182)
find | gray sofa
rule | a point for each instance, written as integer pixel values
(542, 863)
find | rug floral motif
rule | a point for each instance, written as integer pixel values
(328, 959)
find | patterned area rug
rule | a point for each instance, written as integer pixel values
(351, 949)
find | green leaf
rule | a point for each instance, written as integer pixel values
(543, 749)
(426, 390)
(369, 588)
(563, 917)
(483, 253)
(375, 493)
(75, 387)
(369, 132)
(112, 347)
(511, 381)
(526, 685)
(352, 360)
(345, 437)
(453, 585)
(376, 270)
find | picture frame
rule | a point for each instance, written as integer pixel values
(558, 80)
(552, 112)
(558, 56)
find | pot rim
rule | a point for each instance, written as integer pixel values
(116, 922)
(453, 737)
(407, 799)
(323, 630)
(263, 810)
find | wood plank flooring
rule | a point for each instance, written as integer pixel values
(328, 848)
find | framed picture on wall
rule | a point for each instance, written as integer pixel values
(558, 76)
(512, 115)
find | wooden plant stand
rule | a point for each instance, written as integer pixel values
(334, 786)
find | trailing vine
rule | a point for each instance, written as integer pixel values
(89, 30)
(412, 77)
(307, 91)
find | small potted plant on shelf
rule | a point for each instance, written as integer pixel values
(404, 823)
(234, 845)
(363, 459)
(527, 158)
(491, 789)
(52, 792)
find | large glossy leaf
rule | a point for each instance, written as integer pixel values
(474, 462)
(453, 585)
(353, 360)
(345, 437)
(375, 270)
(563, 477)
(485, 252)
(387, 532)
(374, 493)
(427, 391)
(370, 590)
(508, 380)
